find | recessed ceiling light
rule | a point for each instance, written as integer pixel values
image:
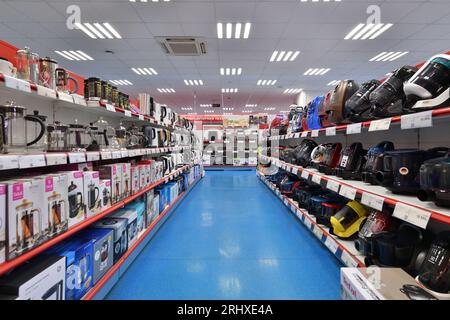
(227, 114)
(208, 111)
(193, 82)
(284, 56)
(389, 56)
(292, 91)
(99, 31)
(269, 109)
(74, 55)
(192, 113)
(247, 111)
(334, 83)
(266, 82)
(121, 82)
(166, 90)
(144, 71)
(230, 71)
(367, 31)
(238, 33)
(316, 71)
(229, 90)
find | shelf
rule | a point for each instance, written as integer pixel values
(344, 250)
(410, 121)
(11, 264)
(406, 207)
(24, 161)
(155, 224)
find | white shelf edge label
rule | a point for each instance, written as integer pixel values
(348, 260)
(127, 113)
(318, 232)
(80, 100)
(354, 128)
(294, 170)
(330, 131)
(316, 178)
(124, 153)
(417, 120)
(110, 107)
(304, 134)
(314, 133)
(54, 159)
(380, 125)
(92, 156)
(9, 162)
(46, 92)
(305, 174)
(106, 155)
(65, 97)
(297, 135)
(331, 244)
(308, 223)
(412, 215)
(116, 154)
(32, 161)
(17, 84)
(348, 192)
(141, 117)
(333, 185)
(372, 201)
(77, 157)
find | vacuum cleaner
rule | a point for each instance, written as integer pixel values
(303, 152)
(358, 107)
(334, 104)
(374, 161)
(331, 157)
(315, 109)
(351, 162)
(347, 222)
(435, 181)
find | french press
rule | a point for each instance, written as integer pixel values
(28, 225)
(57, 209)
(93, 193)
(57, 137)
(76, 206)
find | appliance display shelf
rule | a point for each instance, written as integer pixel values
(377, 125)
(19, 87)
(406, 207)
(344, 250)
(135, 249)
(11, 264)
(36, 160)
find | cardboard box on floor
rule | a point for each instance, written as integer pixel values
(380, 284)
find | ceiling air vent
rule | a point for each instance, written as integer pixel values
(183, 46)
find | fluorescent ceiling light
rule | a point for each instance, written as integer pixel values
(333, 83)
(247, 30)
(292, 91)
(166, 90)
(98, 30)
(266, 82)
(83, 28)
(367, 31)
(238, 31)
(206, 105)
(144, 71)
(383, 29)
(229, 30)
(316, 71)
(280, 56)
(389, 56)
(228, 109)
(94, 30)
(251, 105)
(112, 30)
(274, 56)
(103, 30)
(229, 34)
(219, 31)
(193, 82)
(74, 55)
(121, 82)
(229, 90)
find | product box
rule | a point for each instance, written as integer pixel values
(130, 214)
(26, 225)
(139, 207)
(135, 179)
(92, 193)
(376, 283)
(120, 238)
(173, 192)
(105, 194)
(142, 177)
(102, 246)
(148, 174)
(186, 180)
(79, 260)
(3, 188)
(126, 180)
(163, 198)
(151, 207)
(42, 278)
(76, 196)
(113, 173)
(56, 210)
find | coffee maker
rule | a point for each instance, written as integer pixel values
(57, 210)
(29, 225)
(76, 206)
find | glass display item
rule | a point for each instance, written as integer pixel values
(93, 89)
(47, 72)
(63, 80)
(106, 135)
(76, 141)
(57, 137)
(27, 65)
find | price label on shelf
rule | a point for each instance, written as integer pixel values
(77, 157)
(124, 154)
(380, 125)
(305, 174)
(348, 192)
(417, 120)
(31, 161)
(116, 154)
(127, 113)
(308, 222)
(65, 97)
(92, 156)
(80, 100)
(354, 128)
(299, 213)
(331, 244)
(106, 155)
(297, 135)
(294, 170)
(17, 84)
(46, 92)
(333, 185)
(9, 162)
(330, 131)
(110, 107)
(314, 133)
(54, 159)
(318, 232)
(348, 260)
(412, 215)
(316, 178)
(304, 134)
(372, 201)
(141, 117)
(286, 202)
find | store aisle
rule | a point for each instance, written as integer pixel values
(231, 238)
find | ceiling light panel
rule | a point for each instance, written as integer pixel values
(208, 111)
(74, 55)
(145, 71)
(229, 90)
(367, 31)
(316, 71)
(121, 82)
(166, 90)
(333, 83)
(193, 82)
(228, 109)
(99, 30)
(230, 71)
(269, 109)
(292, 91)
(266, 82)
(251, 105)
(206, 106)
(389, 56)
(233, 30)
(186, 109)
(284, 56)
(145, 1)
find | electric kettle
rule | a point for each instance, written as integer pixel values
(151, 134)
(163, 114)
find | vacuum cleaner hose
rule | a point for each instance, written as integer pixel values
(426, 195)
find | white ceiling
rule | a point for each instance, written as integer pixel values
(317, 29)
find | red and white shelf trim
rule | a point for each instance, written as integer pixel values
(406, 207)
(417, 120)
(344, 250)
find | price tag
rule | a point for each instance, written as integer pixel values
(304, 134)
(330, 131)
(80, 100)
(54, 159)
(333, 185)
(295, 170)
(305, 174)
(354, 128)
(77, 157)
(417, 120)
(127, 113)
(412, 215)
(348, 192)
(286, 202)
(316, 178)
(314, 133)
(9, 162)
(297, 135)
(32, 161)
(46, 92)
(380, 125)
(65, 97)
(141, 117)
(116, 154)
(124, 153)
(92, 156)
(308, 223)
(110, 107)
(299, 213)
(372, 201)
(106, 155)
(348, 260)
(17, 84)
(331, 244)
(318, 232)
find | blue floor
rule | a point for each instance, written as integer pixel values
(231, 238)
